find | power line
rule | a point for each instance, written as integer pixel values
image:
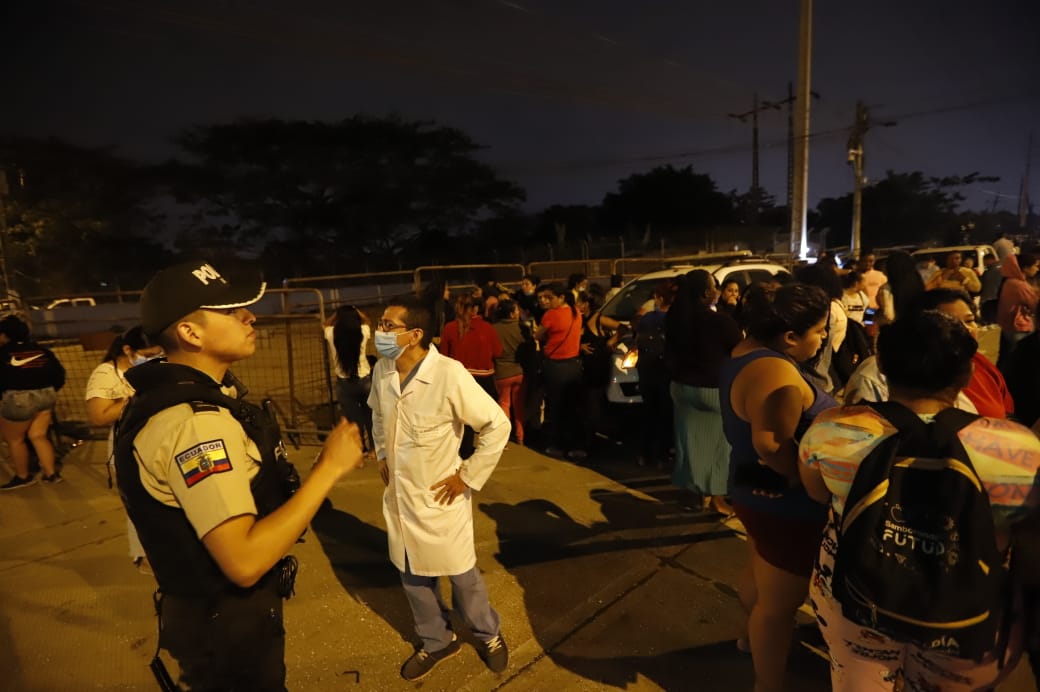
(545, 167)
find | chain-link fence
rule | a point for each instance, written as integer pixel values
(290, 367)
(291, 364)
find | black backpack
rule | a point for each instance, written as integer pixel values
(917, 556)
(856, 348)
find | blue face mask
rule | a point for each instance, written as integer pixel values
(140, 360)
(386, 345)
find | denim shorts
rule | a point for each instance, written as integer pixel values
(20, 405)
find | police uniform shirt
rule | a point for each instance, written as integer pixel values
(198, 457)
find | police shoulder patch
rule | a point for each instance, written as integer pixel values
(202, 461)
(202, 406)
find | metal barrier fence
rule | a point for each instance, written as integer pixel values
(560, 270)
(457, 275)
(357, 289)
(637, 266)
(291, 367)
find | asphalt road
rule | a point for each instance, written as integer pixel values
(603, 578)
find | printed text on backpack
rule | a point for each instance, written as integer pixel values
(917, 556)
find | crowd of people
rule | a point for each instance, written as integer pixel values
(765, 401)
(880, 465)
(841, 377)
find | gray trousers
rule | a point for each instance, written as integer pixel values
(469, 597)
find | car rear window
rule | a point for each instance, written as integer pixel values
(629, 299)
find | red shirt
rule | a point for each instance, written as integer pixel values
(476, 350)
(988, 390)
(563, 333)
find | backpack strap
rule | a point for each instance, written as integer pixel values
(914, 438)
(912, 431)
(936, 440)
(941, 434)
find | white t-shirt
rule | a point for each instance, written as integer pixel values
(363, 367)
(855, 304)
(839, 324)
(107, 382)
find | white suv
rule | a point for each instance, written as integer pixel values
(940, 253)
(623, 307)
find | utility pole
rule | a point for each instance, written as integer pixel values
(790, 154)
(789, 102)
(756, 190)
(800, 194)
(1023, 194)
(4, 191)
(859, 130)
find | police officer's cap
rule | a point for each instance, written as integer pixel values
(180, 290)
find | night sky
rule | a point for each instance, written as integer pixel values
(568, 97)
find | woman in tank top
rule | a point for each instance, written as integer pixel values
(767, 403)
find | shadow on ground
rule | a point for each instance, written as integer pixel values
(536, 532)
(357, 554)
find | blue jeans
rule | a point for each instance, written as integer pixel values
(469, 597)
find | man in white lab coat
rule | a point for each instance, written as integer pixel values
(420, 402)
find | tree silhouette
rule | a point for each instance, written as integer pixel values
(665, 200)
(79, 219)
(359, 186)
(901, 208)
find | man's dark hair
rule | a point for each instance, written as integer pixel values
(14, 328)
(532, 278)
(417, 316)
(1026, 260)
(504, 310)
(768, 312)
(931, 300)
(616, 280)
(822, 276)
(133, 337)
(850, 279)
(928, 353)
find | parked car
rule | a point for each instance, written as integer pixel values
(637, 297)
(81, 302)
(940, 253)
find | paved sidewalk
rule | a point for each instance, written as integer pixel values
(600, 586)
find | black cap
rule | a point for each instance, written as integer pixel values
(182, 289)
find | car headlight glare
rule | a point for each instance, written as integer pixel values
(630, 359)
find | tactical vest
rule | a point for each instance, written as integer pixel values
(181, 562)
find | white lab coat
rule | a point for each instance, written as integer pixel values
(418, 433)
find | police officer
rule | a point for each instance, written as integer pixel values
(205, 479)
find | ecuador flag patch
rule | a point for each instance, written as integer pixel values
(202, 461)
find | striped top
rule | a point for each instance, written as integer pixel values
(1006, 456)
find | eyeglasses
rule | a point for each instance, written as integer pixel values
(388, 326)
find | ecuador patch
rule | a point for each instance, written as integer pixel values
(203, 460)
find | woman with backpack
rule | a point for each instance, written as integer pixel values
(821, 366)
(909, 579)
(30, 377)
